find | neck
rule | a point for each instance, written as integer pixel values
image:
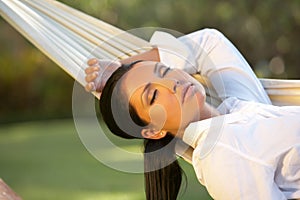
(208, 112)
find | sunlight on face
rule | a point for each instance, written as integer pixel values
(168, 99)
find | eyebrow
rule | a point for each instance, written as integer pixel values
(159, 66)
(145, 89)
(166, 71)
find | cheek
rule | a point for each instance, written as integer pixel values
(158, 116)
(172, 111)
(166, 113)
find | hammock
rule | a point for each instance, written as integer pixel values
(70, 37)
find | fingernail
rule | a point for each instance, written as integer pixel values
(92, 61)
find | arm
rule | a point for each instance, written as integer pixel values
(229, 73)
(213, 56)
(151, 55)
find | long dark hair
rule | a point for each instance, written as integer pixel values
(162, 183)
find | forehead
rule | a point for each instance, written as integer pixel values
(138, 76)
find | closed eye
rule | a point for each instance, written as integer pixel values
(161, 70)
(153, 97)
(166, 71)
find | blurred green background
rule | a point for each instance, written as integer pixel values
(41, 156)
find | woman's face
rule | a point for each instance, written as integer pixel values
(168, 99)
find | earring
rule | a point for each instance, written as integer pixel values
(161, 133)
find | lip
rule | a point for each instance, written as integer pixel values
(187, 92)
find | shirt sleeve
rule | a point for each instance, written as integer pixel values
(212, 55)
(227, 175)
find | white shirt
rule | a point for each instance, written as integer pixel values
(256, 154)
(252, 151)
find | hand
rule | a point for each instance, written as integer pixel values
(96, 73)
(91, 74)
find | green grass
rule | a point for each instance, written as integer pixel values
(46, 160)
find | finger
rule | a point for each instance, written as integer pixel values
(91, 77)
(90, 87)
(92, 69)
(92, 61)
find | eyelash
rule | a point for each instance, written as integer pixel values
(153, 97)
(165, 71)
(155, 91)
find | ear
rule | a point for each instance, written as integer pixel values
(153, 134)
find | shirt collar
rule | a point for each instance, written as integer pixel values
(208, 131)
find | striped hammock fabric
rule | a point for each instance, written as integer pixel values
(70, 37)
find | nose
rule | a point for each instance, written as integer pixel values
(170, 84)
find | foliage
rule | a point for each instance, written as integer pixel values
(266, 32)
(31, 86)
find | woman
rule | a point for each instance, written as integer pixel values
(244, 149)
